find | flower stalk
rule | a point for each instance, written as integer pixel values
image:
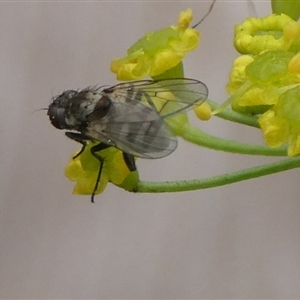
(220, 180)
(200, 138)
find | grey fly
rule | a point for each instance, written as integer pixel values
(129, 116)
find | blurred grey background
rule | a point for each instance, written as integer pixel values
(237, 241)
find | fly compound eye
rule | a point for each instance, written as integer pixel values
(57, 116)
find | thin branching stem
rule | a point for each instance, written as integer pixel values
(196, 136)
(230, 115)
(198, 184)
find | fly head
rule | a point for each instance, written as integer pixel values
(57, 109)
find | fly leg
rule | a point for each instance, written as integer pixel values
(128, 158)
(94, 151)
(77, 137)
(82, 139)
(129, 161)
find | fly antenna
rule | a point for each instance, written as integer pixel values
(208, 12)
(44, 108)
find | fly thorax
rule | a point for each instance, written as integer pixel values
(100, 109)
(81, 107)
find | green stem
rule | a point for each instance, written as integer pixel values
(197, 184)
(288, 7)
(223, 112)
(198, 137)
(230, 115)
(241, 91)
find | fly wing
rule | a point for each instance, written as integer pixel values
(135, 129)
(168, 97)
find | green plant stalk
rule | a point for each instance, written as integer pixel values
(198, 184)
(241, 91)
(288, 7)
(200, 138)
(233, 116)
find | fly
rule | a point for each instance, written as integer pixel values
(128, 116)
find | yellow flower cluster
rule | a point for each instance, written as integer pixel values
(158, 51)
(84, 171)
(264, 79)
(257, 35)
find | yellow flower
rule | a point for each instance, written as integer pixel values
(256, 100)
(268, 82)
(203, 111)
(281, 124)
(158, 51)
(257, 82)
(294, 65)
(237, 75)
(84, 170)
(185, 18)
(257, 35)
